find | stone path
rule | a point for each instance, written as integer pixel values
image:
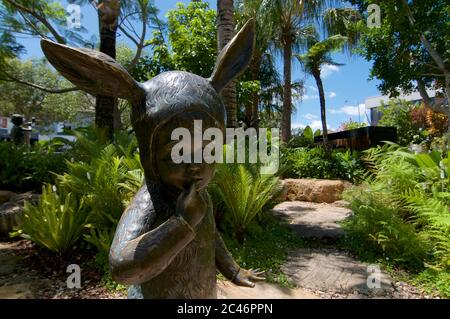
(313, 221)
(322, 272)
(327, 271)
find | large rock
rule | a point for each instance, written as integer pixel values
(11, 211)
(5, 196)
(314, 190)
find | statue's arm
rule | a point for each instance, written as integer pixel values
(138, 255)
(225, 263)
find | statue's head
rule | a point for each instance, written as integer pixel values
(166, 102)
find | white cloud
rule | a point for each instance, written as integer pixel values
(310, 97)
(297, 125)
(350, 110)
(328, 69)
(310, 116)
(315, 125)
(313, 88)
(331, 94)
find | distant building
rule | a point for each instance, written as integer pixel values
(373, 104)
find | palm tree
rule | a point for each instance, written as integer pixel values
(225, 32)
(245, 10)
(291, 19)
(317, 56)
(108, 14)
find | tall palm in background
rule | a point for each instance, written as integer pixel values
(245, 10)
(318, 55)
(225, 32)
(108, 16)
(291, 22)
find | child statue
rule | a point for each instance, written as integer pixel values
(166, 244)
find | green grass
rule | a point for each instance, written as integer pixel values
(265, 247)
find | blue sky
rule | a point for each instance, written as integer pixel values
(346, 86)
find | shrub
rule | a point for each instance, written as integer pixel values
(403, 210)
(102, 179)
(397, 114)
(24, 168)
(303, 138)
(56, 222)
(317, 163)
(241, 193)
(351, 125)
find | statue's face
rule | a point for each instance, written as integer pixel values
(180, 176)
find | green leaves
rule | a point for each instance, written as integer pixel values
(241, 193)
(56, 222)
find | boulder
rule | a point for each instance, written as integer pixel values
(11, 211)
(5, 196)
(314, 190)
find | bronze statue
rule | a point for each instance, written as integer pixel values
(166, 244)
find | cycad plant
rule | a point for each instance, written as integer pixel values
(240, 192)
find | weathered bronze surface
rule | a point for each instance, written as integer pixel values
(166, 244)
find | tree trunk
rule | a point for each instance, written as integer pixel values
(108, 15)
(251, 111)
(323, 115)
(287, 94)
(104, 105)
(225, 32)
(423, 92)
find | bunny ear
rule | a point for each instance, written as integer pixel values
(235, 57)
(92, 71)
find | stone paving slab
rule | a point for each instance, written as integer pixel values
(312, 220)
(262, 290)
(331, 270)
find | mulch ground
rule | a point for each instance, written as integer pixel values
(38, 273)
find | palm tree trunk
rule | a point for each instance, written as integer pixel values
(287, 94)
(322, 108)
(105, 105)
(225, 32)
(251, 112)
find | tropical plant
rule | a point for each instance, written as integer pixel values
(351, 125)
(23, 168)
(316, 162)
(225, 32)
(317, 56)
(240, 193)
(397, 114)
(56, 222)
(406, 206)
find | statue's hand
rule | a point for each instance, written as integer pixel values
(191, 205)
(247, 278)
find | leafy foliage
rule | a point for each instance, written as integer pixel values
(351, 125)
(240, 193)
(397, 114)
(103, 177)
(317, 163)
(56, 222)
(191, 45)
(402, 211)
(23, 168)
